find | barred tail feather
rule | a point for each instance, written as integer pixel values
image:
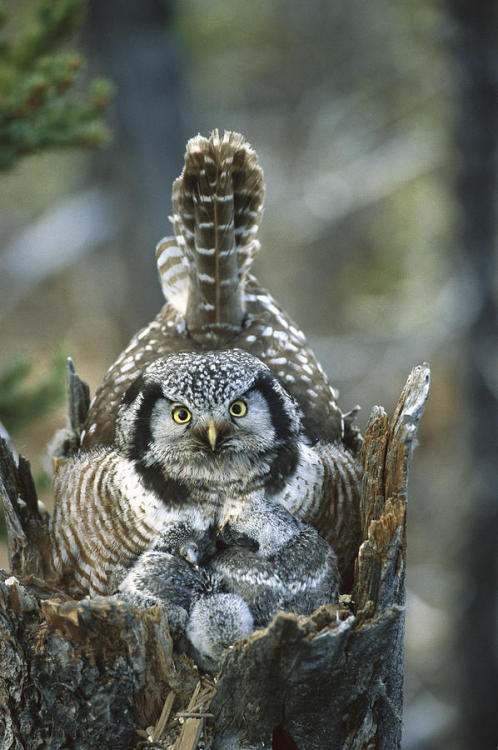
(174, 272)
(217, 205)
(214, 295)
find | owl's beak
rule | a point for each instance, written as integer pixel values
(212, 434)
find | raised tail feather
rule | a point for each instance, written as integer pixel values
(217, 205)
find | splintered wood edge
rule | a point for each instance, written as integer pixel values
(380, 566)
(16, 538)
(373, 459)
(403, 431)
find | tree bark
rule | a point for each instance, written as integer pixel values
(83, 674)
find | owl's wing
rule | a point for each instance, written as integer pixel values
(272, 336)
(325, 492)
(99, 520)
(337, 516)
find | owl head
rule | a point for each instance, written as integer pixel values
(209, 417)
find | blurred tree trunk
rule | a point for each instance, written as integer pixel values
(135, 43)
(476, 136)
(90, 674)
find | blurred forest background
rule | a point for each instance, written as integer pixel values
(376, 127)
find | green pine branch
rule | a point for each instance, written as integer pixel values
(20, 401)
(39, 107)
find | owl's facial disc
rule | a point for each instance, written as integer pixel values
(215, 427)
(198, 432)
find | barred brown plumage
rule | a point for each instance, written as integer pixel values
(217, 205)
(96, 524)
(140, 472)
(330, 503)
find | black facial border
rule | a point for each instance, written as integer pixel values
(285, 462)
(169, 490)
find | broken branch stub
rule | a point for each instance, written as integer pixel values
(78, 394)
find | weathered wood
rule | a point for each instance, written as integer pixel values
(82, 674)
(387, 450)
(78, 394)
(97, 672)
(27, 524)
(163, 719)
(192, 728)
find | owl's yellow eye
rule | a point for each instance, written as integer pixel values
(238, 409)
(181, 415)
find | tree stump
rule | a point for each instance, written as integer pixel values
(100, 673)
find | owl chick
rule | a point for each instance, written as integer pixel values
(198, 436)
(220, 586)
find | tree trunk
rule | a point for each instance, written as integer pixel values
(475, 34)
(83, 674)
(135, 44)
